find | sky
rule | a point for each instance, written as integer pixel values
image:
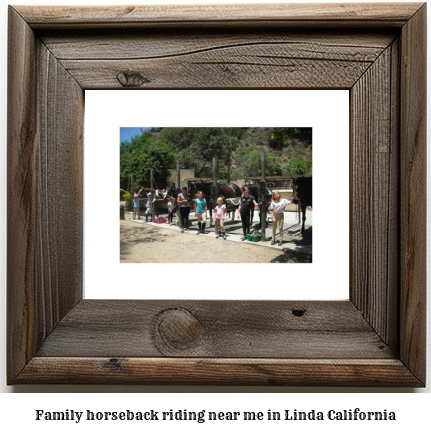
(128, 132)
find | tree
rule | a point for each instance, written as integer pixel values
(297, 167)
(232, 139)
(196, 147)
(248, 163)
(280, 135)
(141, 155)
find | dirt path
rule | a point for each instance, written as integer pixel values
(140, 243)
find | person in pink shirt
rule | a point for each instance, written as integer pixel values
(220, 211)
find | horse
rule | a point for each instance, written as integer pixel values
(160, 194)
(230, 190)
(173, 192)
(302, 191)
(254, 190)
(145, 192)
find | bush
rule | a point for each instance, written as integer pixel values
(124, 195)
(297, 167)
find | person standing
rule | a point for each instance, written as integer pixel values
(200, 204)
(220, 212)
(277, 214)
(150, 203)
(171, 209)
(184, 204)
(136, 212)
(244, 209)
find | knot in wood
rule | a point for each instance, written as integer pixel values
(298, 312)
(178, 328)
(131, 79)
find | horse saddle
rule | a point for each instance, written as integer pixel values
(234, 201)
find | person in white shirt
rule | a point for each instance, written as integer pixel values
(277, 214)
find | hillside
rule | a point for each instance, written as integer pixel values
(238, 151)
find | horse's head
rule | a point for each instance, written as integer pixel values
(302, 185)
(302, 189)
(141, 193)
(172, 192)
(194, 187)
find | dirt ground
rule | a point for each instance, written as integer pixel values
(141, 243)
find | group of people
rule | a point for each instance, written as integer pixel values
(137, 208)
(201, 210)
(247, 203)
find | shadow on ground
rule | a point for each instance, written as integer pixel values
(301, 253)
(135, 234)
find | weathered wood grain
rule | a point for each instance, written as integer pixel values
(373, 215)
(235, 329)
(258, 59)
(264, 66)
(140, 44)
(45, 189)
(22, 199)
(119, 370)
(413, 197)
(55, 337)
(59, 188)
(253, 15)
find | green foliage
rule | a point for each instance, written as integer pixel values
(248, 161)
(238, 151)
(281, 136)
(124, 195)
(195, 148)
(300, 166)
(141, 155)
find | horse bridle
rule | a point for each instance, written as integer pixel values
(196, 190)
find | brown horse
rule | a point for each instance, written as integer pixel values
(302, 191)
(229, 190)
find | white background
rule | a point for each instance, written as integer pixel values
(17, 410)
(326, 111)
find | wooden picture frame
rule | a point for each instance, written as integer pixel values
(376, 338)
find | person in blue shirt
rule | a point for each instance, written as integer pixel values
(136, 208)
(200, 204)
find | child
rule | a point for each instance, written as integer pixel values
(200, 208)
(171, 209)
(136, 211)
(277, 214)
(220, 212)
(150, 202)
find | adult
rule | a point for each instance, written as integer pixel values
(277, 214)
(244, 208)
(184, 205)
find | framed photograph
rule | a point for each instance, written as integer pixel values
(158, 244)
(374, 338)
